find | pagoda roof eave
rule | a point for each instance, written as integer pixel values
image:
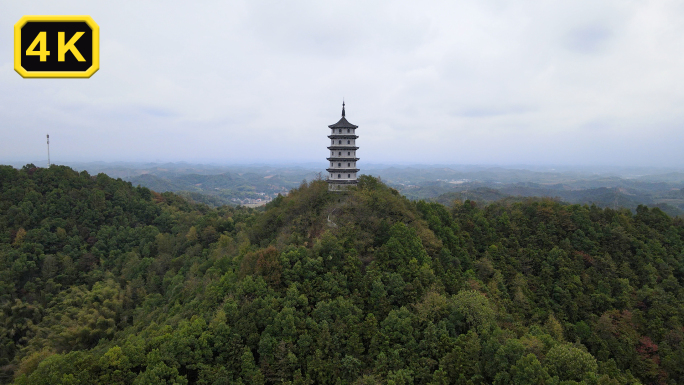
(341, 170)
(343, 123)
(342, 159)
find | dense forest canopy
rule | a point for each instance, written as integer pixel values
(102, 282)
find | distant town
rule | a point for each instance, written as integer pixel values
(256, 202)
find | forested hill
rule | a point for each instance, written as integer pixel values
(105, 283)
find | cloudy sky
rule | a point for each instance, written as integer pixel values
(477, 82)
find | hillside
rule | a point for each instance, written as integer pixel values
(103, 282)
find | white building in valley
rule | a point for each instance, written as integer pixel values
(342, 171)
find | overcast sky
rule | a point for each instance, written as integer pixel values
(477, 82)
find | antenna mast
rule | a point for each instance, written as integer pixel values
(48, 144)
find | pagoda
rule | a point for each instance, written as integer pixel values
(342, 171)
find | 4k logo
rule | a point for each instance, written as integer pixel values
(56, 47)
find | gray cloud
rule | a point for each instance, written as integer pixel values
(431, 82)
(588, 39)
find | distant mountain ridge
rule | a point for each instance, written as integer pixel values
(241, 184)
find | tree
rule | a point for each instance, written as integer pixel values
(570, 363)
(529, 371)
(472, 310)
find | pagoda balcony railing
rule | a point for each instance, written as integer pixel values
(343, 147)
(342, 181)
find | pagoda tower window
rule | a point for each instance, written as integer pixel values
(348, 175)
(339, 176)
(339, 165)
(348, 142)
(339, 142)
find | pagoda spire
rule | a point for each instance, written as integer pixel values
(343, 108)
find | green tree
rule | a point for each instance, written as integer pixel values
(570, 363)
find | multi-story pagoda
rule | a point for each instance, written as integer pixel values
(342, 171)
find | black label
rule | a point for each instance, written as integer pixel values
(50, 42)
